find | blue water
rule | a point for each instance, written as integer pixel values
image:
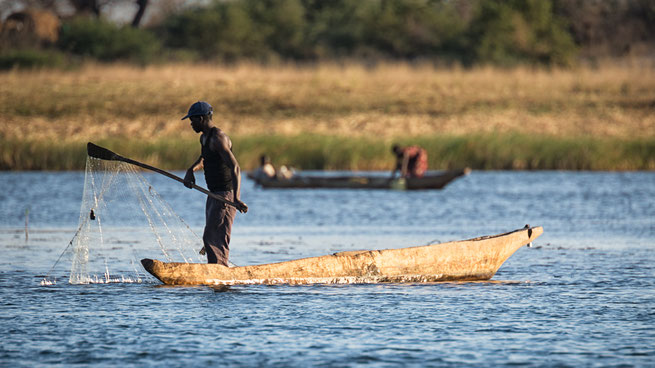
(584, 295)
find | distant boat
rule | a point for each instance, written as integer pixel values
(466, 260)
(432, 180)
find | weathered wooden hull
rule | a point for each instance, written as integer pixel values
(474, 259)
(429, 181)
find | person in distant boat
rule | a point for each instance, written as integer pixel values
(223, 177)
(265, 171)
(285, 173)
(411, 162)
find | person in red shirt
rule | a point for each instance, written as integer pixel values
(412, 161)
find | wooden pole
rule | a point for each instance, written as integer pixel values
(27, 220)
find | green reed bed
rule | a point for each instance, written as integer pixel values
(320, 152)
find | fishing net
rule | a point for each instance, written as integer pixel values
(122, 220)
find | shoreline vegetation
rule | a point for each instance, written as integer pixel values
(336, 116)
(315, 152)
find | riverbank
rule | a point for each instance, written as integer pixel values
(331, 116)
(316, 152)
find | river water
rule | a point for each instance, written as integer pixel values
(584, 295)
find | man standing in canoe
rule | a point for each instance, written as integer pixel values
(412, 161)
(223, 177)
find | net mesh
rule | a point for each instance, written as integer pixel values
(122, 220)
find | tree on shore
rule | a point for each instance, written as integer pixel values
(443, 32)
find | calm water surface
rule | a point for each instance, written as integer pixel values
(584, 295)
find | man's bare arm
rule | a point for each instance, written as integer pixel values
(405, 165)
(189, 178)
(222, 146)
(197, 165)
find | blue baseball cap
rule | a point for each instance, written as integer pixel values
(199, 108)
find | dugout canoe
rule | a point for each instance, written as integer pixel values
(466, 260)
(431, 180)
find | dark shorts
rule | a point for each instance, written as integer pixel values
(218, 228)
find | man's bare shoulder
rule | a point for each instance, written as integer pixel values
(220, 140)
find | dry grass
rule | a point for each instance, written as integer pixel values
(388, 102)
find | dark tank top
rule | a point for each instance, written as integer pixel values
(218, 174)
